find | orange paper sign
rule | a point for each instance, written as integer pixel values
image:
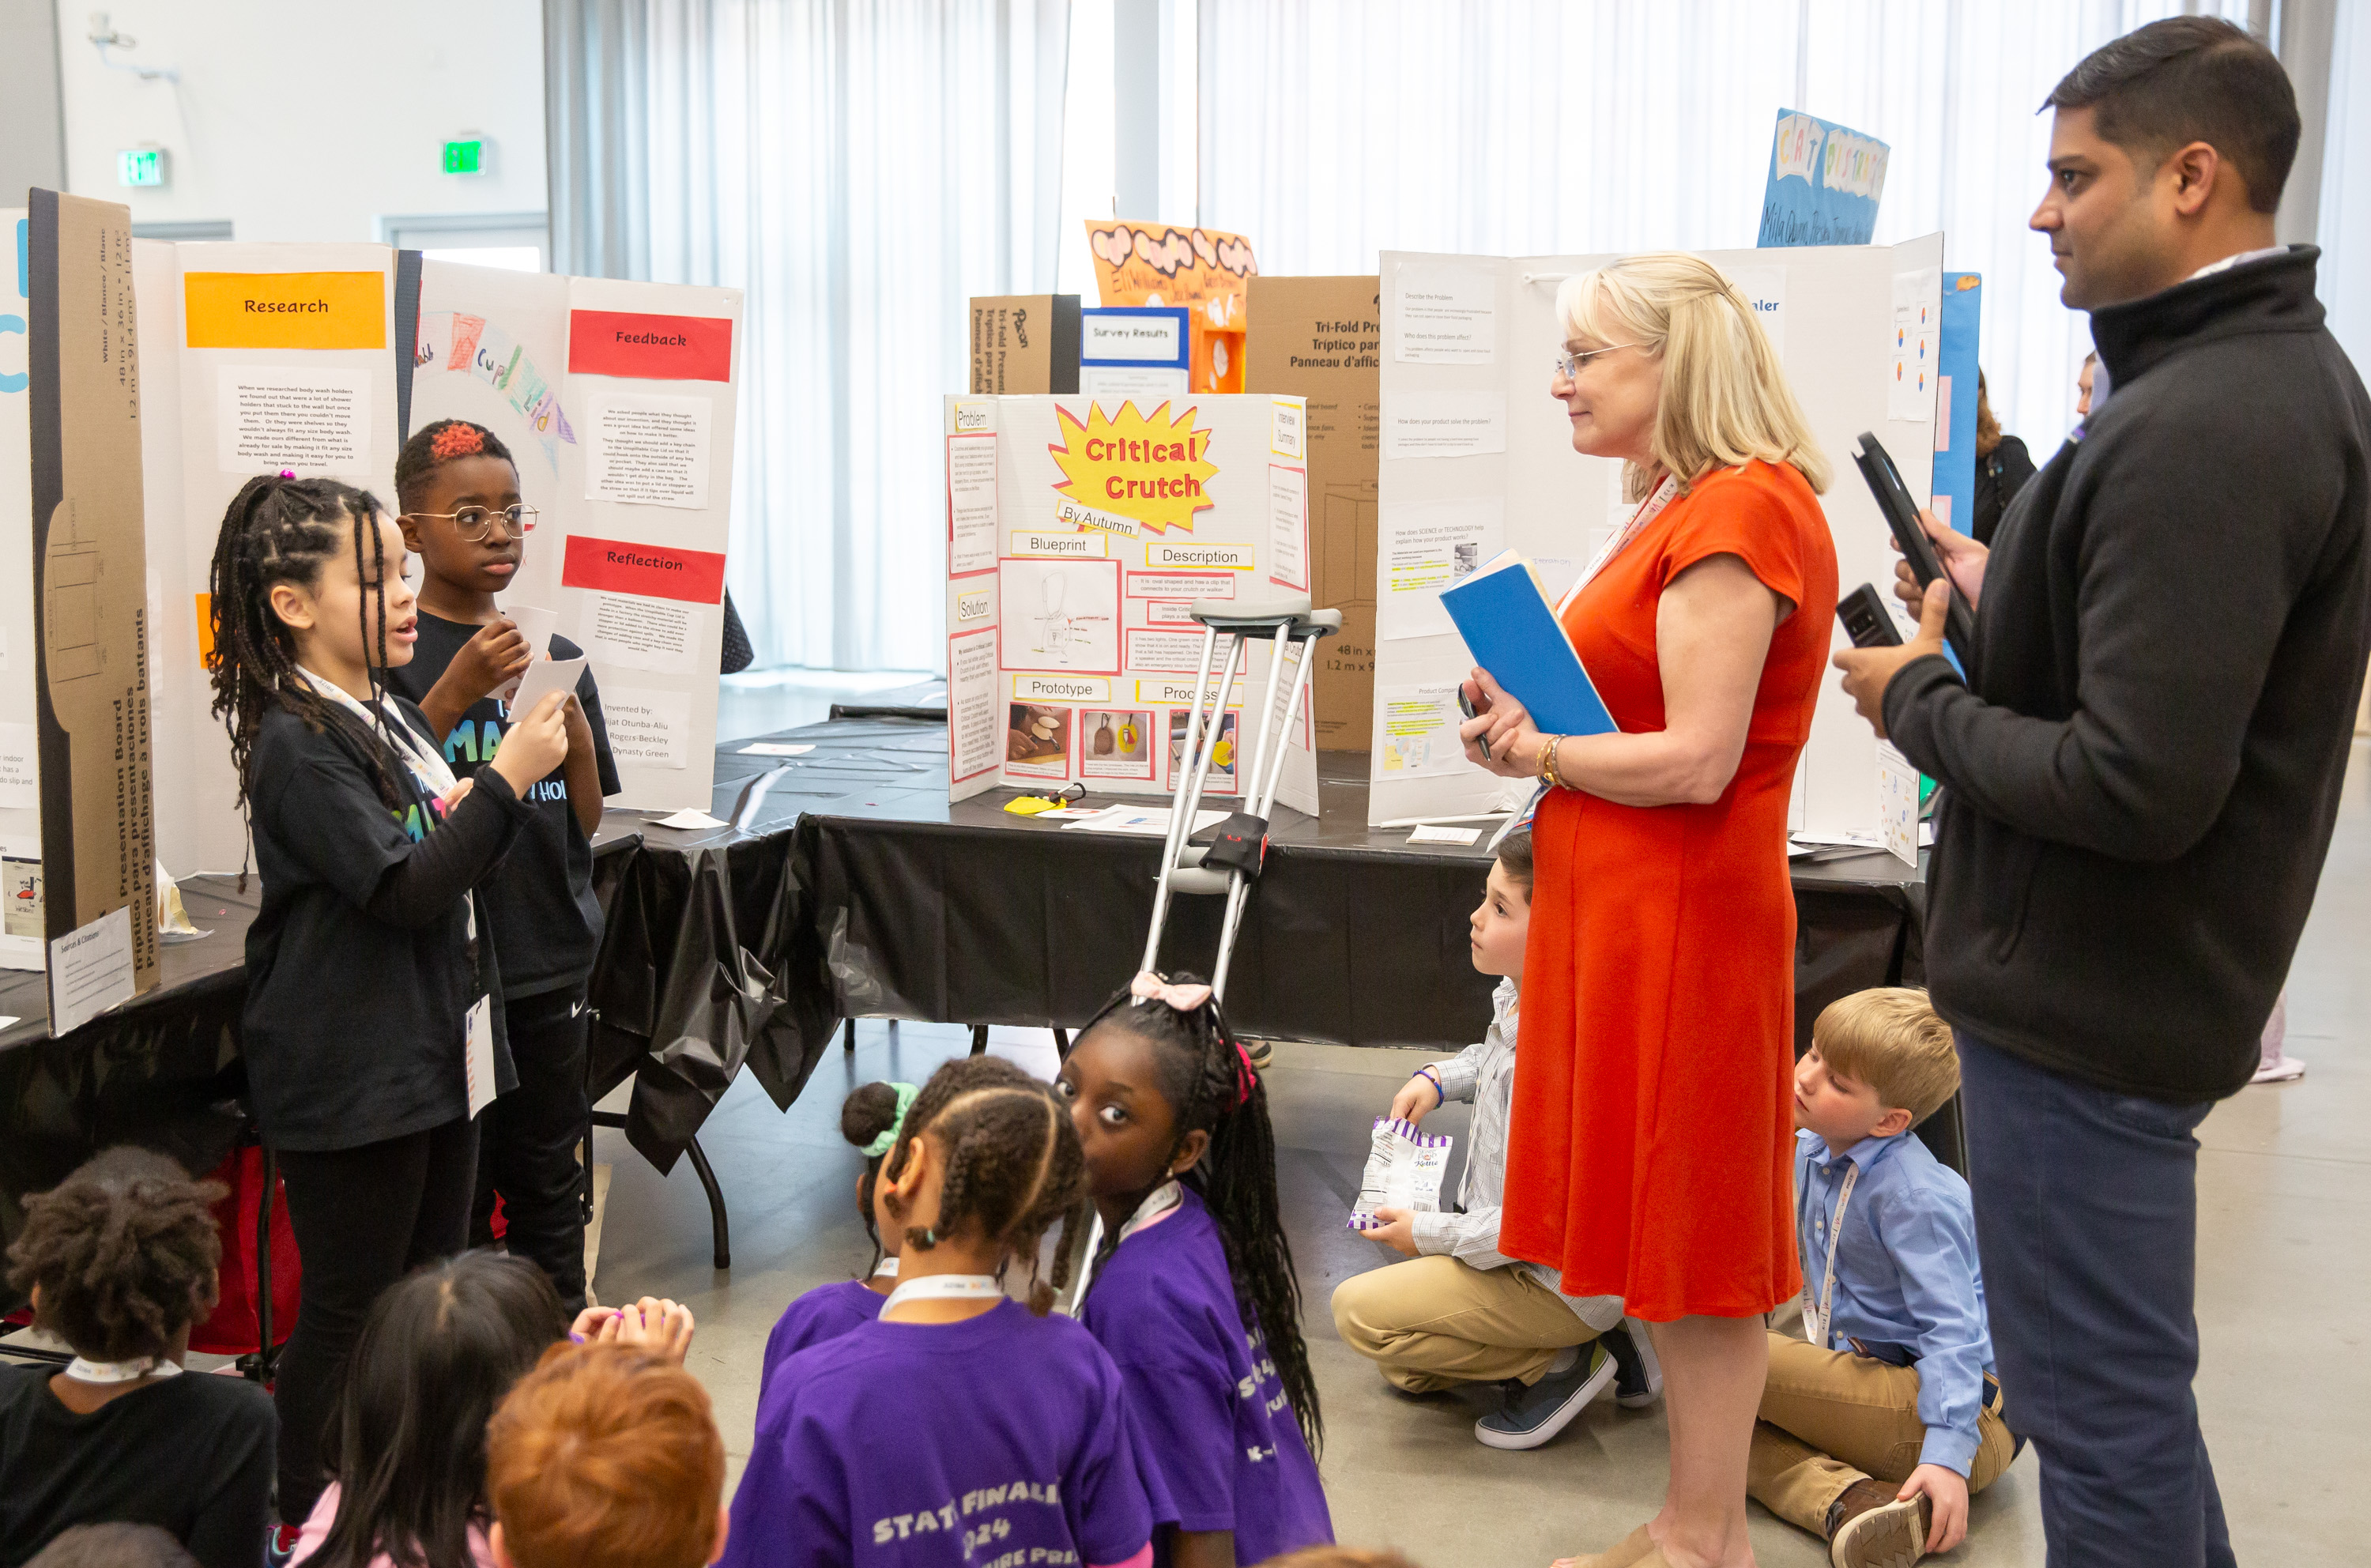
(1203, 269)
(286, 310)
(1130, 472)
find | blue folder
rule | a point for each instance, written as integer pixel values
(1511, 632)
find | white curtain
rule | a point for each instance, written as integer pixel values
(860, 169)
(1334, 129)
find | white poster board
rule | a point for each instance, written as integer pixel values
(20, 810)
(1477, 457)
(1078, 535)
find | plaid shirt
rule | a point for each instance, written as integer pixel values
(1484, 1076)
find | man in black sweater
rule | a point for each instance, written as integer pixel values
(2141, 770)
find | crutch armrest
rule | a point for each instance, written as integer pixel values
(1237, 843)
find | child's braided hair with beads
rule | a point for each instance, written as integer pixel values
(1212, 1086)
(1014, 1166)
(281, 529)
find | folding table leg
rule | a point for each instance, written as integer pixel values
(848, 1035)
(980, 1040)
(720, 1235)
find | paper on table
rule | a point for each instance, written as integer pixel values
(646, 450)
(270, 416)
(1917, 329)
(536, 625)
(542, 679)
(1444, 424)
(478, 1065)
(774, 748)
(971, 503)
(693, 820)
(1431, 834)
(1416, 735)
(632, 632)
(9, 1021)
(1445, 315)
(91, 971)
(647, 728)
(20, 781)
(1426, 546)
(1897, 802)
(1152, 821)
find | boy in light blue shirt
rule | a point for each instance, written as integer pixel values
(1880, 1421)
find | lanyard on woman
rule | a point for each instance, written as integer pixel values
(1815, 1319)
(943, 1287)
(86, 1371)
(1647, 512)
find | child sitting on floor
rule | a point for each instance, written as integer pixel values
(1878, 1424)
(119, 1259)
(869, 1119)
(1462, 1311)
(606, 1456)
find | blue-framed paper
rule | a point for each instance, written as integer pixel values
(1824, 183)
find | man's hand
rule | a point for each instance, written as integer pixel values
(1416, 1099)
(1869, 671)
(1947, 1496)
(1397, 1231)
(1963, 562)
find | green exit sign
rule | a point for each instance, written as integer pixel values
(140, 166)
(465, 157)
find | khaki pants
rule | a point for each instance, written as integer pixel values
(1434, 1322)
(1830, 1418)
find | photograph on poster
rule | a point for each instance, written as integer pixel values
(1221, 780)
(1060, 615)
(1038, 741)
(1115, 743)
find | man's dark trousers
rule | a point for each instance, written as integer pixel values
(2086, 1221)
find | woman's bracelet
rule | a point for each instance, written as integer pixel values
(1548, 774)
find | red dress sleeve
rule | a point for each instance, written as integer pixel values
(1747, 512)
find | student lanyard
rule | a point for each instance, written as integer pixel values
(428, 769)
(1648, 513)
(1157, 1203)
(1815, 1319)
(83, 1371)
(943, 1287)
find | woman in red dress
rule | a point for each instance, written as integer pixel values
(1653, 1119)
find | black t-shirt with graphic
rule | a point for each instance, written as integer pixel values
(547, 925)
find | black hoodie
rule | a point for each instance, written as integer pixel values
(2140, 774)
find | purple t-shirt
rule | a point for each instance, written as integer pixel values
(997, 1442)
(1215, 1436)
(824, 1313)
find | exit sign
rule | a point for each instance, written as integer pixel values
(465, 157)
(140, 166)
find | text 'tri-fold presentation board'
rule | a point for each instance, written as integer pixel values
(1079, 536)
(1478, 458)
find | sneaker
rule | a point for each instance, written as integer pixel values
(1638, 1375)
(1875, 1530)
(1530, 1417)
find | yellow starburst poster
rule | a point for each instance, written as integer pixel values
(1133, 473)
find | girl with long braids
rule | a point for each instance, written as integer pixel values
(1192, 1289)
(367, 963)
(960, 1427)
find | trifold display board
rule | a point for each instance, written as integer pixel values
(1079, 534)
(20, 783)
(1477, 457)
(616, 400)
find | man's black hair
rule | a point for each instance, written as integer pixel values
(2191, 79)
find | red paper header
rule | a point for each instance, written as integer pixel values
(607, 566)
(649, 348)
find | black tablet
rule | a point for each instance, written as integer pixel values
(1901, 516)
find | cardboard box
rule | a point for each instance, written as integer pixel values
(1026, 343)
(89, 566)
(1320, 338)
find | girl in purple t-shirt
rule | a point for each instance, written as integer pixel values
(1192, 1289)
(959, 1427)
(869, 1119)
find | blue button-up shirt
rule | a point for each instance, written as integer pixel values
(1908, 1286)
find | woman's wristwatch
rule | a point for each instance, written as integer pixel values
(1548, 774)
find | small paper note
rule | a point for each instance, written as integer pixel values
(648, 728)
(1427, 546)
(1433, 832)
(774, 748)
(1444, 424)
(1897, 802)
(542, 679)
(690, 820)
(1445, 315)
(91, 971)
(9, 1021)
(478, 1065)
(269, 417)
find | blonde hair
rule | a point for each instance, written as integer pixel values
(1890, 1039)
(1725, 399)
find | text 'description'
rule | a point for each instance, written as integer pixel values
(1081, 547)
(633, 632)
(655, 571)
(1160, 554)
(648, 451)
(269, 417)
(285, 310)
(648, 729)
(1060, 688)
(649, 348)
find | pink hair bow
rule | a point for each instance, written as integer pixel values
(1150, 988)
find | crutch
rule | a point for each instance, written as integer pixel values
(1230, 859)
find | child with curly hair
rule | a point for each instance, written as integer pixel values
(121, 1260)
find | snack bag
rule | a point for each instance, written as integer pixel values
(1404, 1168)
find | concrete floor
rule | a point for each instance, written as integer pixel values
(2284, 1250)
